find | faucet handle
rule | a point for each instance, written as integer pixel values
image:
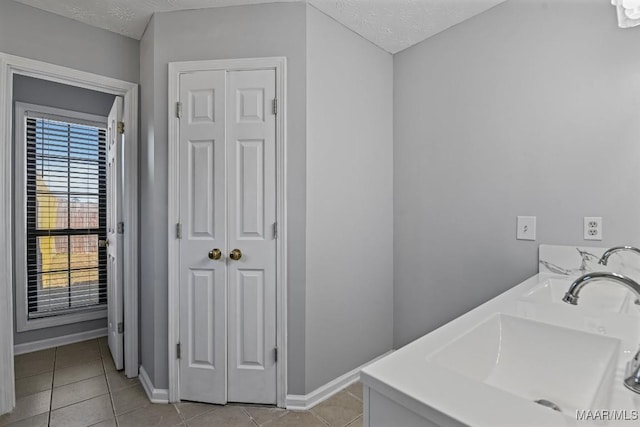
(632, 374)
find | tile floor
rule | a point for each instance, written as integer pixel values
(77, 386)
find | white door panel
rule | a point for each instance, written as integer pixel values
(251, 153)
(114, 249)
(202, 214)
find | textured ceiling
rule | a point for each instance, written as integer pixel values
(395, 25)
(391, 24)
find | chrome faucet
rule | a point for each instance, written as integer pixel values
(632, 381)
(573, 293)
(605, 257)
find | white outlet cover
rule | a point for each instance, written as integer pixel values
(592, 228)
(526, 226)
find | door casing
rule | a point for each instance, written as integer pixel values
(175, 69)
(9, 66)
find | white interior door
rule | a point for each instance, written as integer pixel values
(203, 293)
(227, 152)
(251, 153)
(114, 238)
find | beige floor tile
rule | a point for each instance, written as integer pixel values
(103, 343)
(118, 381)
(355, 389)
(107, 423)
(33, 384)
(86, 413)
(41, 420)
(357, 422)
(155, 415)
(79, 391)
(227, 416)
(47, 354)
(297, 419)
(108, 364)
(262, 415)
(78, 347)
(27, 407)
(128, 399)
(79, 372)
(71, 358)
(188, 410)
(339, 410)
(29, 367)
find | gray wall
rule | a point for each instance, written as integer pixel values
(36, 34)
(349, 200)
(148, 231)
(531, 108)
(221, 33)
(50, 94)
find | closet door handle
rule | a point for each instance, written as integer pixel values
(215, 253)
(235, 254)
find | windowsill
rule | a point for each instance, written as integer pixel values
(63, 319)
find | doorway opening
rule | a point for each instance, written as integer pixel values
(71, 267)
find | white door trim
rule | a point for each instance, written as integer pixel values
(279, 64)
(9, 66)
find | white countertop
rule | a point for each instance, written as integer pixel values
(409, 378)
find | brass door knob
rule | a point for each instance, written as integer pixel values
(215, 253)
(235, 254)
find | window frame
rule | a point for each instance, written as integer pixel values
(21, 112)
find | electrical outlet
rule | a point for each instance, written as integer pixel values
(592, 228)
(526, 228)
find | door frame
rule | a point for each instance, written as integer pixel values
(279, 64)
(11, 65)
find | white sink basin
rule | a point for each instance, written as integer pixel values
(603, 296)
(533, 360)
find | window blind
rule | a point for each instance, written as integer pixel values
(65, 217)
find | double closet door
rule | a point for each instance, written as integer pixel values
(227, 137)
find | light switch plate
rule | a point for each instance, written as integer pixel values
(526, 228)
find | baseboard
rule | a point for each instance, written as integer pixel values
(299, 402)
(58, 341)
(155, 395)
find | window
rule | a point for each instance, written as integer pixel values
(61, 200)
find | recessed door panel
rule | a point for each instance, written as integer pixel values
(250, 105)
(250, 319)
(202, 307)
(250, 191)
(202, 189)
(201, 106)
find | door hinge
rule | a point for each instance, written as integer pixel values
(178, 231)
(178, 351)
(121, 128)
(275, 353)
(179, 110)
(275, 106)
(121, 228)
(275, 230)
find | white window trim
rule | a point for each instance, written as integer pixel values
(23, 110)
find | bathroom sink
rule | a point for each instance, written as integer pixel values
(603, 296)
(558, 367)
